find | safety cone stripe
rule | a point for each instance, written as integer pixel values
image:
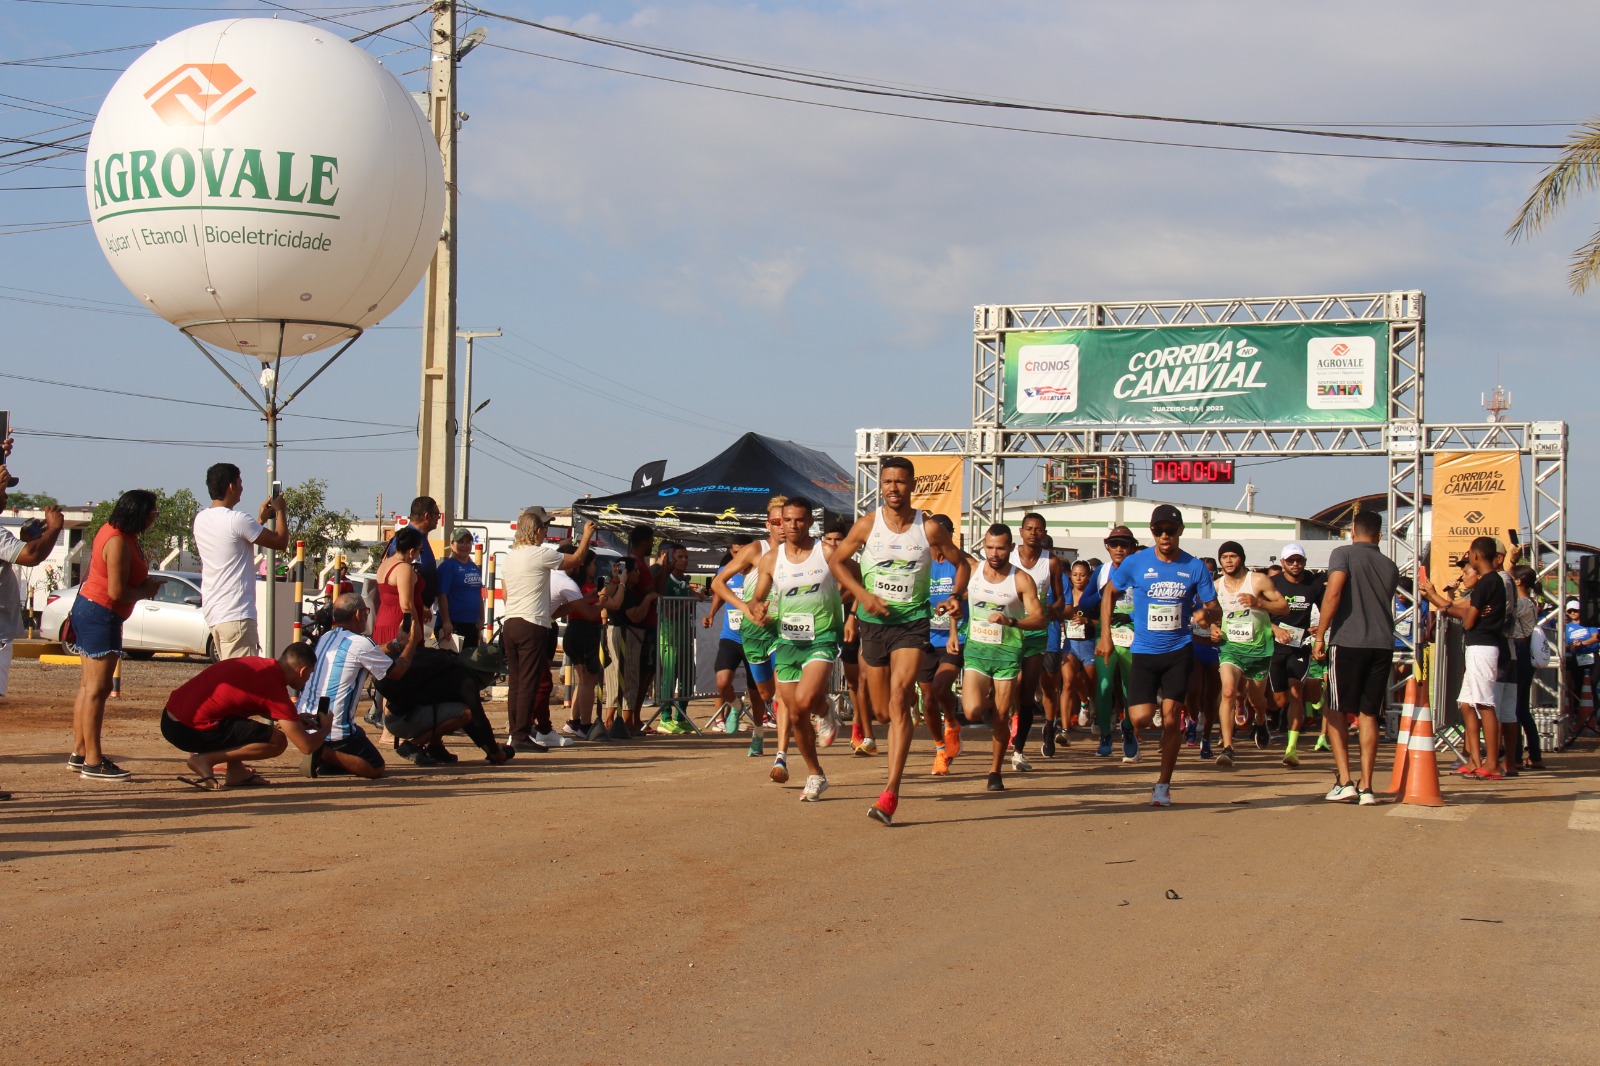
(1397, 774)
(1422, 765)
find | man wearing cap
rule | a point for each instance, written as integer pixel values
(1164, 579)
(1583, 664)
(1290, 676)
(1111, 670)
(461, 590)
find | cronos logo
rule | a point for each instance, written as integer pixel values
(198, 94)
(1047, 378)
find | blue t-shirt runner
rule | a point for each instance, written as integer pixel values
(1162, 592)
(732, 619)
(941, 585)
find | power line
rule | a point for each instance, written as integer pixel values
(398, 426)
(880, 89)
(200, 7)
(63, 435)
(937, 120)
(487, 454)
(528, 453)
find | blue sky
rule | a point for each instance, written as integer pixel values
(722, 262)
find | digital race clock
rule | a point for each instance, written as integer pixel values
(1191, 471)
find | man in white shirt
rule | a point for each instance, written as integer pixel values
(226, 540)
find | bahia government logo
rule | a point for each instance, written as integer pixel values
(198, 94)
(1341, 373)
(1047, 379)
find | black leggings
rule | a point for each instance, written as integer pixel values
(1026, 710)
(1529, 728)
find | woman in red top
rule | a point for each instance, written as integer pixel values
(399, 588)
(119, 577)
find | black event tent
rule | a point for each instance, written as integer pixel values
(706, 507)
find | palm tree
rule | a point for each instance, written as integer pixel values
(1578, 170)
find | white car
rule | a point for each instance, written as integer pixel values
(170, 621)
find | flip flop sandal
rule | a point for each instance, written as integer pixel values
(208, 783)
(255, 780)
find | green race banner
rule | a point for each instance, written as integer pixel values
(1272, 373)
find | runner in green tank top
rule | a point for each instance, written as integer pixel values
(1247, 599)
(892, 608)
(1003, 608)
(758, 639)
(795, 588)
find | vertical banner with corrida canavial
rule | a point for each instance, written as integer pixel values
(939, 483)
(1475, 494)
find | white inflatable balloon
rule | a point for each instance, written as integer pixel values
(263, 169)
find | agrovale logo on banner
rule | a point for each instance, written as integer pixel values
(1341, 373)
(1047, 379)
(198, 94)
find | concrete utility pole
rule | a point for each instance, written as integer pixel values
(436, 428)
(464, 477)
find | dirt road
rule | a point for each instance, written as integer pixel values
(661, 901)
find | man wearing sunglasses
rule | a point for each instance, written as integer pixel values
(1164, 579)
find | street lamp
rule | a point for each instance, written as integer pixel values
(466, 456)
(465, 465)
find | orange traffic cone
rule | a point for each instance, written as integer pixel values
(1422, 766)
(1397, 775)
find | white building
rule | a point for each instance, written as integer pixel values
(1079, 527)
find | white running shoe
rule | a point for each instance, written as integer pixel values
(1083, 718)
(1162, 796)
(1020, 763)
(553, 739)
(816, 785)
(827, 726)
(1345, 793)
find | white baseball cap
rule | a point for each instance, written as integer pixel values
(1574, 605)
(1290, 550)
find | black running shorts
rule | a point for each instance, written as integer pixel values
(730, 653)
(1160, 677)
(1360, 679)
(879, 640)
(1288, 664)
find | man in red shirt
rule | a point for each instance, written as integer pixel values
(213, 716)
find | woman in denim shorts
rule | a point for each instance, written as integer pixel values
(119, 577)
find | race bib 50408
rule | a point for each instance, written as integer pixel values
(985, 632)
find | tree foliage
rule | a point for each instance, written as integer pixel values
(1577, 171)
(310, 520)
(173, 528)
(31, 501)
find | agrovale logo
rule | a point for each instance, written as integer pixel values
(198, 94)
(1473, 516)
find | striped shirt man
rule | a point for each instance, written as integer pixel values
(343, 661)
